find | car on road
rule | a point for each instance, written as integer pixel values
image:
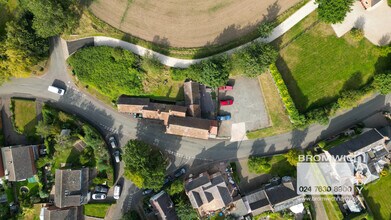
(226, 102)
(101, 189)
(167, 180)
(99, 196)
(226, 88)
(117, 191)
(56, 90)
(112, 142)
(147, 191)
(223, 117)
(116, 155)
(180, 172)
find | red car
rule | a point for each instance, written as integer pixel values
(225, 88)
(226, 102)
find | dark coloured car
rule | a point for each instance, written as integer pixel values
(101, 189)
(180, 172)
(147, 191)
(167, 180)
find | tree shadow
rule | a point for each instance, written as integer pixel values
(354, 82)
(161, 44)
(272, 11)
(383, 63)
(384, 40)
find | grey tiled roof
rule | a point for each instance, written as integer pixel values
(19, 161)
(163, 204)
(71, 213)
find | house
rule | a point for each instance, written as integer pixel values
(275, 198)
(208, 193)
(369, 3)
(54, 213)
(128, 104)
(71, 187)
(19, 162)
(191, 127)
(366, 152)
(192, 98)
(163, 206)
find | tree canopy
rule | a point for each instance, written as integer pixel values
(333, 11)
(144, 165)
(258, 164)
(292, 156)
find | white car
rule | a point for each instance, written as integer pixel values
(56, 90)
(112, 142)
(116, 156)
(99, 196)
(117, 191)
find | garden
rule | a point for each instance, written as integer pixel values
(96, 210)
(24, 116)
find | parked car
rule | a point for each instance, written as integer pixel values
(56, 90)
(224, 117)
(116, 155)
(99, 196)
(167, 180)
(227, 102)
(226, 88)
(101, 189)
(147, 191)
(180, 172)
(112, 142)
(117, 191)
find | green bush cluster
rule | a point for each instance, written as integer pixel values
(112, 71)
(382, 82)
(258, 164)
(296, 118)
(357, 34)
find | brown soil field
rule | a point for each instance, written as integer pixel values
(188, 23)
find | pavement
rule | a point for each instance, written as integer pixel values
(375, 21)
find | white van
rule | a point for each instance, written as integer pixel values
(56, 90)
(117, 191)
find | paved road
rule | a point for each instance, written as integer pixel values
(183, 63)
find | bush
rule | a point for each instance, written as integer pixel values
(357, 34)
(317, 115)
(265, 29)
(335, 11)
(293, 156)
(176, 187)
(178, 74)
(382, 83)
(254, 59)
(349, 98)
(296, 118)
(258, 164)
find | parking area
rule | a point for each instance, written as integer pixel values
(248, 111)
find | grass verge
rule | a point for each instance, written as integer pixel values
(24, 115)
(331, 207)
(378, 195)
(90, 25)
(280, 122)
(96, 210)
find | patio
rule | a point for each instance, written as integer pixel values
(375, 21)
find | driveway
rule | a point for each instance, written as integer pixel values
(248, 111)
(376, 22)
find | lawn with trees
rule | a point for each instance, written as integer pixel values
(144, 165)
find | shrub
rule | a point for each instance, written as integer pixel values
(178, 74)
(382, 83)
(317, 115)
(293, 156)
(265, 29)
(258, 164)
(176, 187)
(296, 118)
(333, 11)
(357, 34)
(349, 98)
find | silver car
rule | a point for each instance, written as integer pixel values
(116, 155)
(112, 142)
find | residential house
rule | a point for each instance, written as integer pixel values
(128, 104)
(54, 213)
(191, 127)
(71, 187)
(192, 98)
(19, 162)
(208, 193)
(275, 198)
(366, 152)
(163, 206)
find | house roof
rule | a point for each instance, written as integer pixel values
(208, 192)
(190, 127)
(365, 139)
(163, 204)
(19, 162)
(70, 213)
(258, 202)
(192, 93)
(71, 187)
(128, 104)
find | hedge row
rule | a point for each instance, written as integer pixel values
(296, 118)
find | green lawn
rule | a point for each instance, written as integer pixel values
(317, 66)
(331, 207)
(378, 196)
(281, 167)
(96, 210)
(25, 116)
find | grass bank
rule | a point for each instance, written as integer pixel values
(378, 195)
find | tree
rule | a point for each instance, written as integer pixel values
(176, 187)
(255, 58)
(44, 130)
(333, 11)
(184, 210)
(131, 215)
(146, 164)
(293, 156)
(53, 17)
(258, 164)
(265, 29)
(382, 82)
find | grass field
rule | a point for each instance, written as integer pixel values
(280, 122)
(317, 65)
(25, 116)
(96, 210)
(378, 196)
(331, 207)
